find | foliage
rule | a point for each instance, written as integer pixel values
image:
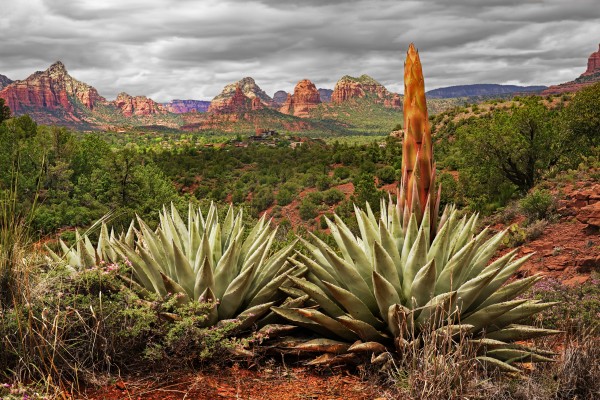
(584, 115)
(538, 204)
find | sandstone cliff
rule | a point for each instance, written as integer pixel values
(279, 97)
(235, 103)
(305, 98)
(589, 77)
(248, 87)
(53, 89)
(349, 87)
(138, 105)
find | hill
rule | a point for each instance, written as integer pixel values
(481, 90)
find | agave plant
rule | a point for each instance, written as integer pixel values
(204, 260)
(409, 271)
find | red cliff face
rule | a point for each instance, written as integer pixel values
(257, 104)
(593, 65)
(349, 87)
(589, 77)
(51, 90)
(138, 105)
(237, 103)
(305, 98)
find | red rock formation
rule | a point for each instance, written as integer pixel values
(4, 81)
(364, 86)
(52, 89)
(589, 77)
(305, 98)
(257, 104)
(593, 65)
(138, 105)
(229, 105)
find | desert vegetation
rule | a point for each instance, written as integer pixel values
(176, 265)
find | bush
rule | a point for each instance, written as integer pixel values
(285, 197)
(386, 174)
(307, 209)
(538, 204)
(333, 196)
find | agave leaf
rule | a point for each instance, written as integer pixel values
(249, 316)
(385, 266)
(175, 289)
(512, 290)
(487, 315)
(185, 273)
(514, 332)
(204, 280)
(209, 297)
(328, 323)
(518, 313)
(502, 366)
(389, 245)
(449, 276)
(357, 255)
(234, 295)
(501, 278)
(367, 347)
(270, 290)
(227, 268)
(322, 346)
(385, 294)
(514, 355)
(416, 259)
(470, 290)
(353, 305)
(423, 285)
(329, 306)
(313, 267)
(437, 309)
(364, 330)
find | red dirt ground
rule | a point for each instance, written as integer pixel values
(240, 383)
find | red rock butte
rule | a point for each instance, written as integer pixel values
(589, 77)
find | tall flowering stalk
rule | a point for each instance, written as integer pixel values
(417, 188)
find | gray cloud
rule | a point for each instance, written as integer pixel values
(191, 49)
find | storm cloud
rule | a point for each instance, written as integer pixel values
(190, 49)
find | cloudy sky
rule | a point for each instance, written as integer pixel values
(190, 49)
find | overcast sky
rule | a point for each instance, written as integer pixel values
(190, 49)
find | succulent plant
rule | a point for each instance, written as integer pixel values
(410, 271)
(201, 260)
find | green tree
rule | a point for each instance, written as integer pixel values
(583, 115)
(4, 111)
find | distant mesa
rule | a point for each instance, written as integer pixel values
(4, 81)
(248, 87)
(138, 105)
(280, 97)
(186, 106)
(589, 77)
(52, 89)
(349, 87)
(305, 98)
(481, 89)
(325, 95)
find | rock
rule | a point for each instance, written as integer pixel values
(349, 87)
(590, 215)
(53, 89)
(249, 89)
(587, 264)
(280, 97)
(138, 105)
(235, 103)
(4, 81)
(257, 104)
(186, 106)
(325, 95)
(589, 77)
(305, 98)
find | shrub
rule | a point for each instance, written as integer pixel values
(538, 204)
(386, 174)
(285, 197)
(333, 196)
(307, 209)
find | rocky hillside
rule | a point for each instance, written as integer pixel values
(4, 81)
(349, 87)
(481, 90)
(248, 87)
(138, 105)
(305, 98)
(280, 97)
(589, 77)
(186, 106)
(53, 89)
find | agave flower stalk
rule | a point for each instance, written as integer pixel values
(417, 189)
